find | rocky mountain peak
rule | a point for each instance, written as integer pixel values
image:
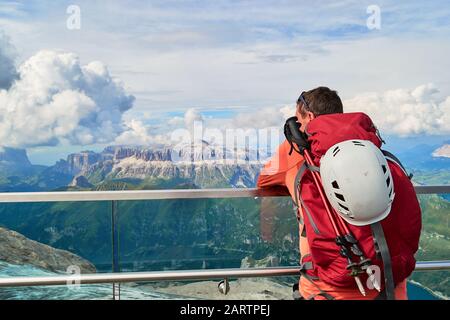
(14, 162)
(80, 182)
(17, 157)
(140, 153)
(78, 162)
(19, 250)
(443, 151)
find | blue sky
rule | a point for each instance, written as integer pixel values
(227, 58)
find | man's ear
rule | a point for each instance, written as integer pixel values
(311, 116)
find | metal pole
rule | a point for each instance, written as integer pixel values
(115, 249)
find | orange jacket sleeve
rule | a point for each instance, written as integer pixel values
(275, 175)
(274, 172)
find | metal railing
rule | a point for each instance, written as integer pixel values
(119, 277)
(64, 196)
(181, 275)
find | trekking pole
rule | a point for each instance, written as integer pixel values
(364, 262)
(340, 239)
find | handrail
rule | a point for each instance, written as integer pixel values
(124, 277)
(172, 275)
(61, 196)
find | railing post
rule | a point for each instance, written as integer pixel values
(115, 248)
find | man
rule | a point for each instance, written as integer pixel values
(281, 171)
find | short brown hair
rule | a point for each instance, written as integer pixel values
(321, 100)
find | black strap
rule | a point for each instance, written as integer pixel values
(381, 296)
(378, 234)
(393, 158)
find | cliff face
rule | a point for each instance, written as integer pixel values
(203, 174)
(202, 164)
(19, 250)
(14, 161)
(118, 153)
(14, 156)
(196, 152)
(78, 162)
(80, 182)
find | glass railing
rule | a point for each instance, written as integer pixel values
(172, 244)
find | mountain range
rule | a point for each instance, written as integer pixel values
(200, 165)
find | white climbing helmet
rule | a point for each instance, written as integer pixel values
(357, 181)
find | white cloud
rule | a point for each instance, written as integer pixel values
(405, 112)
(137, 133)
(192, 115)
(261, 118)
(176, 121)
(288, 111)
(399, 112)
(258, 52)
(7, 68)
(57, 99)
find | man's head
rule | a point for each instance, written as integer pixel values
(316, 102)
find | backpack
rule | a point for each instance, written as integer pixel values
(389, 244)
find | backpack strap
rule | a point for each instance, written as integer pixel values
(304, 266)
(299, 176)
(298, 198)
(391, 157)
(297, 180)
(298, 201)
(380, 242)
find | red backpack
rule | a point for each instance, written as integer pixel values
(401, 227)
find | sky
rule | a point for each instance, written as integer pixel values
(78, 75)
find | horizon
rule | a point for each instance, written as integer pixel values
(393, 144)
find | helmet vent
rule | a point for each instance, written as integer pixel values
(336, 151)
(390, 193)
(335, 184)
(384, 168)
(358, 143)
(343, 207)
(340, 196)
(388, 181)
